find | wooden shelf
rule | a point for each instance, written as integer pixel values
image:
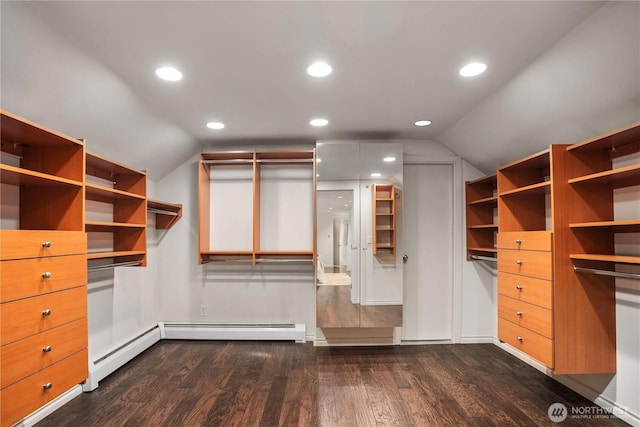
(619, 259)
(628, 226)
(117, 254)
(483, 227)
(108, 195)
(18, 176)
(615, 139)
(488, 250)
(384, 219)
(529, 190)
(617, 178)
(167, 214)
(493, 200)
(104, 226)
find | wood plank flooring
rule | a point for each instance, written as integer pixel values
(216, 383)
(335, 310)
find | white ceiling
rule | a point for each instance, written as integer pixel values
(244, 64)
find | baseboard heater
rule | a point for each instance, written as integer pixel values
(234, 331)
(100, 368)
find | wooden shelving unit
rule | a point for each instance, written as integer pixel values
(384, 219)
(592, 223)
(43, 295)
(246, 170)
(481, 204)
(125, 190)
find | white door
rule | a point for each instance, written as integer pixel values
(428, 274)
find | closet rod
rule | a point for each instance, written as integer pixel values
(484, 258)
(116, 264)
(162, 211)
(286, 161)
(282, 260)
(231, 260)
(228, 162)
(606, 272)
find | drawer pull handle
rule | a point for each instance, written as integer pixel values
(518, 287)
(47, 386)
(519, 339)
(518, 241)
(46, 244)
(519, 313)
(519, 262)
(46, 275)
(46, 312)
(46, 349)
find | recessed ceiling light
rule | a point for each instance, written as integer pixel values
(376, 174)
(318, 160)
(339, 197)
(319, 69)
(215, 125)
(473, 69)
(319, 122)
(389, 159)
(423, 123)
(169, 73)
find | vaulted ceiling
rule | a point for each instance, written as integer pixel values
(87, 69)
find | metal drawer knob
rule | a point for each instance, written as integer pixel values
(518, 287)
(519, 262)
(46, 349)
(518, 313)
(46, 244)
(46, 312)
(518, 241)
(46, 275)
(47, 386)
(519, 339)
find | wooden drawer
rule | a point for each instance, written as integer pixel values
(527, 289)
(525, 240)
(26, 317)
(28, 277)
(533, 317)
(526, 263)
(25, 357)
(24, 397)
(535, 345)
(16, 244)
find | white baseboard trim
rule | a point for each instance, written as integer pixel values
(229, 332)
(425, 342)
(382, 302)
(48, 409)
(352, 342)
(102, 367)
(568, 381)
(477, 340)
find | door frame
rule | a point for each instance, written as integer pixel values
(458, 235)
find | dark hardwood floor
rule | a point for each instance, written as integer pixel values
(211, 383)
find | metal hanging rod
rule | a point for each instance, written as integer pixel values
(282, 260)
(227, 260)
(162, 211)
(484, 258)
(110, 266)
(606, 273)
(228, 162)
(284, 160)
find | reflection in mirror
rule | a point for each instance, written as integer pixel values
(357, 288)
(335, 264)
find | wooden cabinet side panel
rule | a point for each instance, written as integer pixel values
(204, 209)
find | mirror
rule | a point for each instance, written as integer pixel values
(359, 224)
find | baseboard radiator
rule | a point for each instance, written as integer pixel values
(107, 364)
(234, 331)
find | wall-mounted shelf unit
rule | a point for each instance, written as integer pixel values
(235, 226)
(593, 221)
(481, 212)
(384, 219)
(118, 193)
(167, 214)
(43, 277)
